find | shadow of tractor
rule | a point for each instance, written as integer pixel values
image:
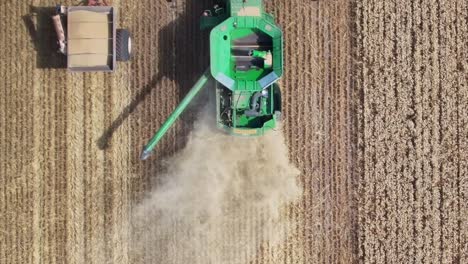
(42, 32)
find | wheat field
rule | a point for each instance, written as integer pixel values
(375, 106)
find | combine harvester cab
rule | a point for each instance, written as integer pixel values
(246, 57)
(247, 61)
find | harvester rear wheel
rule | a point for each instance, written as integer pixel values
(277, 102)
(277, 97)
(124, 45)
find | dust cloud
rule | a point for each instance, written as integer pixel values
(221, 200)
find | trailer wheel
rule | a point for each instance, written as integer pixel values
(123, 45)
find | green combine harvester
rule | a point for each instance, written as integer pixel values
(246, 57)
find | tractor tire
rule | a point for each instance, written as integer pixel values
(124, 45)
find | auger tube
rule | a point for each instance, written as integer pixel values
(197, 87)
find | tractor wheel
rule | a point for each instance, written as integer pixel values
(124, 45)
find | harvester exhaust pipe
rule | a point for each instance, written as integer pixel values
(197, 87)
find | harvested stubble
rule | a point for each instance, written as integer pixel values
(387, 75)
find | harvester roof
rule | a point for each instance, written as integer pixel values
(246, 52)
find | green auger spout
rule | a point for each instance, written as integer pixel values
(147, 151)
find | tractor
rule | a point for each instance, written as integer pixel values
(246, 62)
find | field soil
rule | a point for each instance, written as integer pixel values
(411, 68)
(375, 106)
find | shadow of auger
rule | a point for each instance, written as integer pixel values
(104, 140)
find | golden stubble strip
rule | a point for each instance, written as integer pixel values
(94, 178)
(120, 156)
(24, 132)
(267, 251)
(3, 142)
(38, 168)
(6, 236)
(16, 174)
(462, 103)
(302, 44)
(120, 99)
(119, 169)
(75, 170)
(48, 216)
(321, 174)
(57, 153)
(50, 156)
